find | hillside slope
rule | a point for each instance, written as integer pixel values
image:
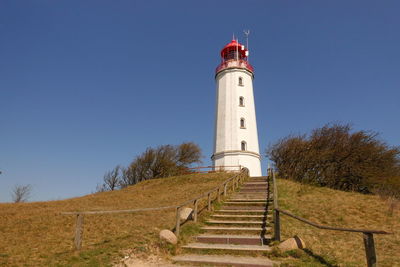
(341, 209)
(35, 234)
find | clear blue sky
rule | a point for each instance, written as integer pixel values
(87, 85)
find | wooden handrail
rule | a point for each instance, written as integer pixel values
(151, 209)
(368, 235)
(116, 211)
(208, 192)
(332, 228)
(80, 214)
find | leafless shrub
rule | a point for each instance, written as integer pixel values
(336, 157)
(163, 161)
(111, 180)
(21, 193)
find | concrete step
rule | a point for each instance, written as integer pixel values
(233, 222)
(224, 260)
(252, 190)
(240, 216)
(259, 184)
(227, 247)
(257, 203)
(258, 194)
(262, 185)
(249, 199)
(235, 228)
(250, 196)
(245, 208)
(234, 239)
(242, 211)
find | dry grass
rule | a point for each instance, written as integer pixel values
(341, 209)
(35, 234)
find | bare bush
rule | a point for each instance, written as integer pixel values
(163, 161)
(336, 157)
(111, 180)
(21, 193)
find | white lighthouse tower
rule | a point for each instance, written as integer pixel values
(236, 138)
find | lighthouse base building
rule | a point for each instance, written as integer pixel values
(235, 136)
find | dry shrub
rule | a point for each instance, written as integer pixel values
(337, 157)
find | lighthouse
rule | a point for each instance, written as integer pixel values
(235, 136)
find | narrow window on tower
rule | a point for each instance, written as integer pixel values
(243, 146)
(242, 124)
(240, 81)
(241, 101)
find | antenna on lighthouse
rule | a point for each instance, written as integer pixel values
(247, 33)
(237, 49)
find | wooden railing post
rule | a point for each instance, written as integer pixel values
(277, 226)
(209, 201)
(277, 221)
(225, 189)
(78, 231)
(218, 195)
(369, 249)
(196, 204)
(178, 221)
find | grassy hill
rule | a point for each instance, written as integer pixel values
(342, 209)
(35, 234)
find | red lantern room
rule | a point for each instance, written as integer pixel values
(234, 55)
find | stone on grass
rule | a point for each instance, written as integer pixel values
(168, 236)
(292, 243)
(186, 213)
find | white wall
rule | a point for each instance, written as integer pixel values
(228, 134)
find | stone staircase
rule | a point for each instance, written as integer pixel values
(240, 227)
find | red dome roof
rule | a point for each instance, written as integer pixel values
(232, 46)
(233, 43)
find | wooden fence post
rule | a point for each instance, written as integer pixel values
(277, 226)
(225, 188)
(196, 204)
(178, 221)
(218, 195)
(369, 249)
(209, 202)
(78, 231)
